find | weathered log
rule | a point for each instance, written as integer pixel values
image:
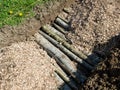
(62, 31)
(77, 76)
(63, 85)
(66, 21)
(56, 31)
(63, 68)
(61, 58)
(67, 80)
(68, 46)
(66, 51)
(56, 52)
(63, 78)
(62, 23)
(59, 28)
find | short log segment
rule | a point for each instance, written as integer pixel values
(77, 76)
(66, 21)
(66, 51)
(62, 23)
(63, 85)
(62, 80)
(61, 35)
(63, 59)
(67, 80)
(68, 46)
(59, 28)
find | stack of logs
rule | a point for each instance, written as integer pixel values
(53, 39)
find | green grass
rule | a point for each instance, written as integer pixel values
(10, 10)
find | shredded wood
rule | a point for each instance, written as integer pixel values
(24, 66)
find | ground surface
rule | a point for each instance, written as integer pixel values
(107, 74)
(23, 32)
(24, 66)
(95, 24)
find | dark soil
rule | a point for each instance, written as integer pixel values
(107, 74)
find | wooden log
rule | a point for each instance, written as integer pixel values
(63, 68)
(62, 59)
(67, 80)
(68, 46)
(66, 51)
(56, 31)
(59, 28)
(66, 21)
(62, 31)
(62, 23)
(63, 85)
(77, 76)
(56, 52)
